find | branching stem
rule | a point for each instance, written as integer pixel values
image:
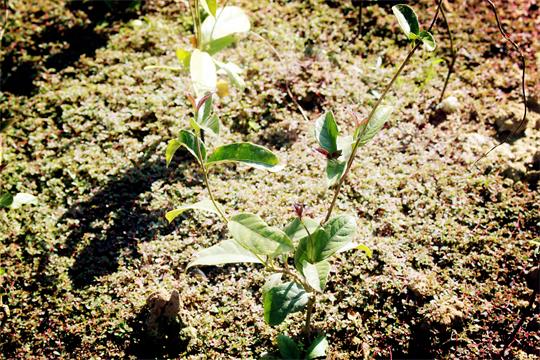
(453, 54)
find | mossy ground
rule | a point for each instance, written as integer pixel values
(90, 125)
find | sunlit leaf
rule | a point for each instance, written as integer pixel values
(203, 73)
(380, 117)
(184, 57)
(326, 132)
(428, 41)
(204, 205)
(250, 154)
(210, 6)
(250, 231)
(233, 72)
(225, 252)
(296, 231)
(318, 348)
(21, 199)
(356, 246)
(188, 140)
(316, 274)
(407, 19)
(230, 20)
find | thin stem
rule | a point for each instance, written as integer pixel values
(211, 194)
(524, 316)
(385, 92)
(523, 89)
(453, 52)
(287, 88)
(357, 143)
(309, 313)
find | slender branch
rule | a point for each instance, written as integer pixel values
(524, 316)
(370, 116)
(452, 51)
(288, 89)
(309, 313)
(523, 89)
(357, 143)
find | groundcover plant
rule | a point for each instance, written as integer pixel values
(299, 255)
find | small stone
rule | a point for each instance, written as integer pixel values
(509, 120)
(449, 105)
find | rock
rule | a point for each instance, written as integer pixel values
(508, 120)
(161, 312)
(449, 105)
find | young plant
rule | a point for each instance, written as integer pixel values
(299, 255)
(216, 32)
(205, 120)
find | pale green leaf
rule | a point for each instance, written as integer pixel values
(204, 205)
(206, 119)
(318, 348)
(210, 6)
(250, 154)
(356, 246)
(316, 274)
(380, 117)
(184, 57)
(203, 73)
(233, 72)
(282, 299)
(250, 231)
(296, 231)
(188, 140)
(407, 19)
(21, 199)
(226, 252)
(217, 45)
(335, 168)
(229, 20)
(326, 132)
(428, 41)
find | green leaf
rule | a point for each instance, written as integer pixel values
(203, 73)
(326, 241)
(335, 168)
(356, 246)
(288, 348)
(21, 199)
(210, 6)
(380, 117)
(296, 231)
(326, 132)
(184, 57)
(204, 205)
(428, 41)
(282, 299)
(233, 72)
(229, 20)
(215, 46)
(189, 141)
(316, 274)
(318, 348)
(250, 231)
(226, 252)
(407, 19)
(250, 154)
(6, 199)
(206, 119)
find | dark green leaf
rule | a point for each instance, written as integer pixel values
(407, 19)
(6, 199)
(326, 132)
(380, 117)
(250, 154)
(281, 299)
(227, 251)
(206, 119)
(250, 231)
(217, 45)
(288, 348)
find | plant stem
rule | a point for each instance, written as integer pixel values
(309, 313)
(211, 194)
(357, 143)
(524, 316)
(453, 52)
